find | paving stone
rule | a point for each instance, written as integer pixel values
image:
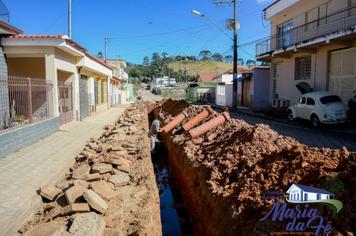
(50, 192)
(49, 228)
(104, 189)
(81, 172)
(80, 182)
(102, 168)
(74, 193)
(88, 224)
(95, 201)
(113, 232)
(125, 169)
(93, 146)
(120, 179)
(75, 208)
(93, 177)
(64, 184)
(116, 148)
(119, 161)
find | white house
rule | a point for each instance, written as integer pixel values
(302, 193)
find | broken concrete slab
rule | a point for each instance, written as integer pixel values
(64, 184)
(119, 161)
(80, 182)
(75, 208)
(113, 232)
(49, 228)
(88, 224)
(120, 179)
(101, 168)
(50, 192)
(74, 193)
(81, 172)
(119, 169)
(95, 201)
(104, 189)
(93, 177)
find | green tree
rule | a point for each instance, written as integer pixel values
(100, 54)
(217, 57)
(250, 63)
(241, 61)
(228, 59)
(205, 55)
(146, 61)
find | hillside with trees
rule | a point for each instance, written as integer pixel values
(182, 67)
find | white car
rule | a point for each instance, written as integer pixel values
(319, 107)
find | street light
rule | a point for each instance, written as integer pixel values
(234, 39)
(198, 13)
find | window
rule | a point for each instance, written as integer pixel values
(285, 34)
(302, 100)
(303, 68)
(316, 17)
(310, 101)
(330, 99)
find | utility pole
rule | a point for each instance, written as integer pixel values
(70, 18)
(106, 40)
(185, 69)
(234, 81)
(235, 29)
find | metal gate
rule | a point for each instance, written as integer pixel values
(84, 97)
(342, 75)
(65, 102)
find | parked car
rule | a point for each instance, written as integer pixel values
(319, 107)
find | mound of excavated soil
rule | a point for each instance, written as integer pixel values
(245, 161)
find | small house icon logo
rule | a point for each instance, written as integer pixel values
(300, 194)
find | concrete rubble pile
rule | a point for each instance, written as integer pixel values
(110, 189)
(240, 163)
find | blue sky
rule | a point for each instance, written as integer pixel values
(141, 27)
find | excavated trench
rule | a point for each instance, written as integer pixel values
(175, 218)
(223, 174)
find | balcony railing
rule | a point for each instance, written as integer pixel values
(333, 23)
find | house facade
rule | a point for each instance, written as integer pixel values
(312, 42)
(49, 80)
(302, 193)
(253, 87)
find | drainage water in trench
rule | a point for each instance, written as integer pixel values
(174, 215)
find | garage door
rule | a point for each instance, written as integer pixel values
(84, 98)
(342, 74)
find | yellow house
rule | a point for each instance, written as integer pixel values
(311, 41)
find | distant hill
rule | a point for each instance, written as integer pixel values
(195, 67)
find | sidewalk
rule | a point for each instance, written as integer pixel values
(23, 172)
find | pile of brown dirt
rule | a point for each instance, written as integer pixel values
(243, 162)
(110, 189)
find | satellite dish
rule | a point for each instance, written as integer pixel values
(4, 12)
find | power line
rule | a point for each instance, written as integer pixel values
(162, 33)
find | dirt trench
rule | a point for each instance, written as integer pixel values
(110, 190)
(224, 173)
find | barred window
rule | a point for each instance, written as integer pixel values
(302, 68)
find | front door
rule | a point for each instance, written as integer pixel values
(65, 102)
(246, 92)
(83, 96)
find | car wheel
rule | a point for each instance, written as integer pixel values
(290, 115)
(315, 121)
